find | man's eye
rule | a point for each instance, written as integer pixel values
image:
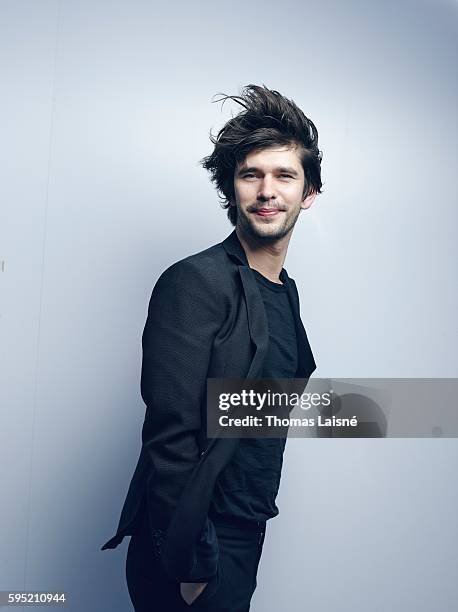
(286, 175)
(248, 175)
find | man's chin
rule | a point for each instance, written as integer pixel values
(267, 234)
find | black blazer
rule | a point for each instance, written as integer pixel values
(206, 319)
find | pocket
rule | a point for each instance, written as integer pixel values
(208, 592)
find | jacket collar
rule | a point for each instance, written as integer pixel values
(236, 251)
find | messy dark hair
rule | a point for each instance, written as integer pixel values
(269, 119)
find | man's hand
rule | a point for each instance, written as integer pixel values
(191, 590)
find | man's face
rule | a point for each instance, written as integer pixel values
(268, 189)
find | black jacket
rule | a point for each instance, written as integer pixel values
(206, 319)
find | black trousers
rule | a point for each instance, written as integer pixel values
(230, 590)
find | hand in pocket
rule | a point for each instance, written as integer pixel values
(191, 590)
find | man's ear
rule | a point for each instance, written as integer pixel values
(308, 201)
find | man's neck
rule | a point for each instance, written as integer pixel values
(266, 258)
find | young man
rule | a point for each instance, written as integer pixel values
(196, 508)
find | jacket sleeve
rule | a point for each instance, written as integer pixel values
(184, 315)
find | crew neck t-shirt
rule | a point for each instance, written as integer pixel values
(248, 485)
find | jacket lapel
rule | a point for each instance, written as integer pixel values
(257, 318)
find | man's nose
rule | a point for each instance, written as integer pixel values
(266, 189)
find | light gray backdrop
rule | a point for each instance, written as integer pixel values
(105, 111)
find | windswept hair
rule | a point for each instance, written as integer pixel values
(269, 119)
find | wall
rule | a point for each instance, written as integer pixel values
(105, 113)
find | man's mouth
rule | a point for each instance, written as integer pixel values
(267, 212)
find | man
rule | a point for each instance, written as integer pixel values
(197, 508)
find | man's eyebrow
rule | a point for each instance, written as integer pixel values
(243, 169)
(288, 170)
(283, 169)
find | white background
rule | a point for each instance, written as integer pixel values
(105, 112)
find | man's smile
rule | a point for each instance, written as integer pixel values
(267, 212)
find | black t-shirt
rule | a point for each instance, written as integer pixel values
(248, 485)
